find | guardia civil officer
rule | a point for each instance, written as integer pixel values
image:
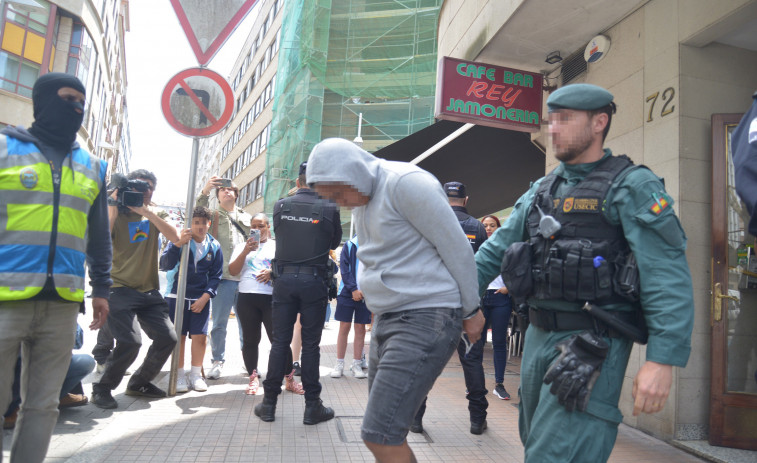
(744, 149)
(577, 237)
(472, 359)
(306, 229)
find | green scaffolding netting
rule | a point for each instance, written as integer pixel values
(339, 59)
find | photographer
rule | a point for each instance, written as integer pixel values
(135, 293)
(231, 226)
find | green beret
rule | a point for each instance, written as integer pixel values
(584, 97)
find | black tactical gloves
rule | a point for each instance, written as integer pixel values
(576, 370)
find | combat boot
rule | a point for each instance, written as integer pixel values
(266, 409)
(316, 413)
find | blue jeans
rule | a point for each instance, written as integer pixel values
(414, 345)
(81, 365)
(220, 308)
(497, 309)
(43, 331)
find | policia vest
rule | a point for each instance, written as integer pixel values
(43, 219)
(303, 235)
(588, 258)
(470, 228)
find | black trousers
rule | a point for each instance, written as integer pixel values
(129, 310)
(254, 310)
(294, 293)
(475, 381)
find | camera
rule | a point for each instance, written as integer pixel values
(225, 183)
(130, 192)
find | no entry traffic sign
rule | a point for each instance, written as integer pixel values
(197, 102)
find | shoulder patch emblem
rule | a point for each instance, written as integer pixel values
(28, 177)
(661, 202)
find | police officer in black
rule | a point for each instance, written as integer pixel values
(471, 361)
(744, 149)
(306, 229)
(458, 199)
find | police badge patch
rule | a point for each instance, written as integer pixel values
(28, 177)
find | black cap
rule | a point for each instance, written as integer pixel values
(303, 167)
(455, 190)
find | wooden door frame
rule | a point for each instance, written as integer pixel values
(720, 398)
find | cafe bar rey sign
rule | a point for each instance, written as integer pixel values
(490, 95)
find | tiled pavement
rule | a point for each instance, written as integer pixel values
(219, 425)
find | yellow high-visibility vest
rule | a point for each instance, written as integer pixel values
(43, 219)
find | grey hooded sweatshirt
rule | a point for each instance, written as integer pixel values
(413, 253)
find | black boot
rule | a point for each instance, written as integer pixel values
(266, 409)
(315, 412)
(478, 428)
(417, 426)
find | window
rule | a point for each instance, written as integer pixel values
(254, 150)
(264, 138)
(81, 57)
(22, 48)
(261, 184)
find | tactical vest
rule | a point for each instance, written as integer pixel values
(303, 237)
(582, 261)
(43, 219)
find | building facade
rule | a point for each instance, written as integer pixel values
(682, 73)
(84, 38)
(238, 152)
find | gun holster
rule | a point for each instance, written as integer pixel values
(274, 269)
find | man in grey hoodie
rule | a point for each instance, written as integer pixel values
(418, 277)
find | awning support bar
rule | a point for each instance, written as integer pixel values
(442, 143)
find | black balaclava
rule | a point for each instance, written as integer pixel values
(55, 119)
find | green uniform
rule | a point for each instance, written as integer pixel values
(637, 201)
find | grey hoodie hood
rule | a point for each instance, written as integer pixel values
(336, 160)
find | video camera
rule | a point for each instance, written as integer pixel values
(130, 192)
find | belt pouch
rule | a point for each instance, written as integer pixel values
(570, 275)
(586, 275)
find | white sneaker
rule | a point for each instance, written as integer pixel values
(338, 370)
(357, 370)
(198, 384)
(181, 382)
(215, 370)
(364, 362)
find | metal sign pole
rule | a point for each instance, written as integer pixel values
(182, 285)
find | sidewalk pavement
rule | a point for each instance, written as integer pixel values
(219, 425)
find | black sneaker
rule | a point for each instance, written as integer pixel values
(146, 390)
(501, 392)
(102, 398)
(297, 369)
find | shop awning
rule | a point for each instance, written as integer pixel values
(496, 165)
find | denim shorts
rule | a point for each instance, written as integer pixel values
(409, 350)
